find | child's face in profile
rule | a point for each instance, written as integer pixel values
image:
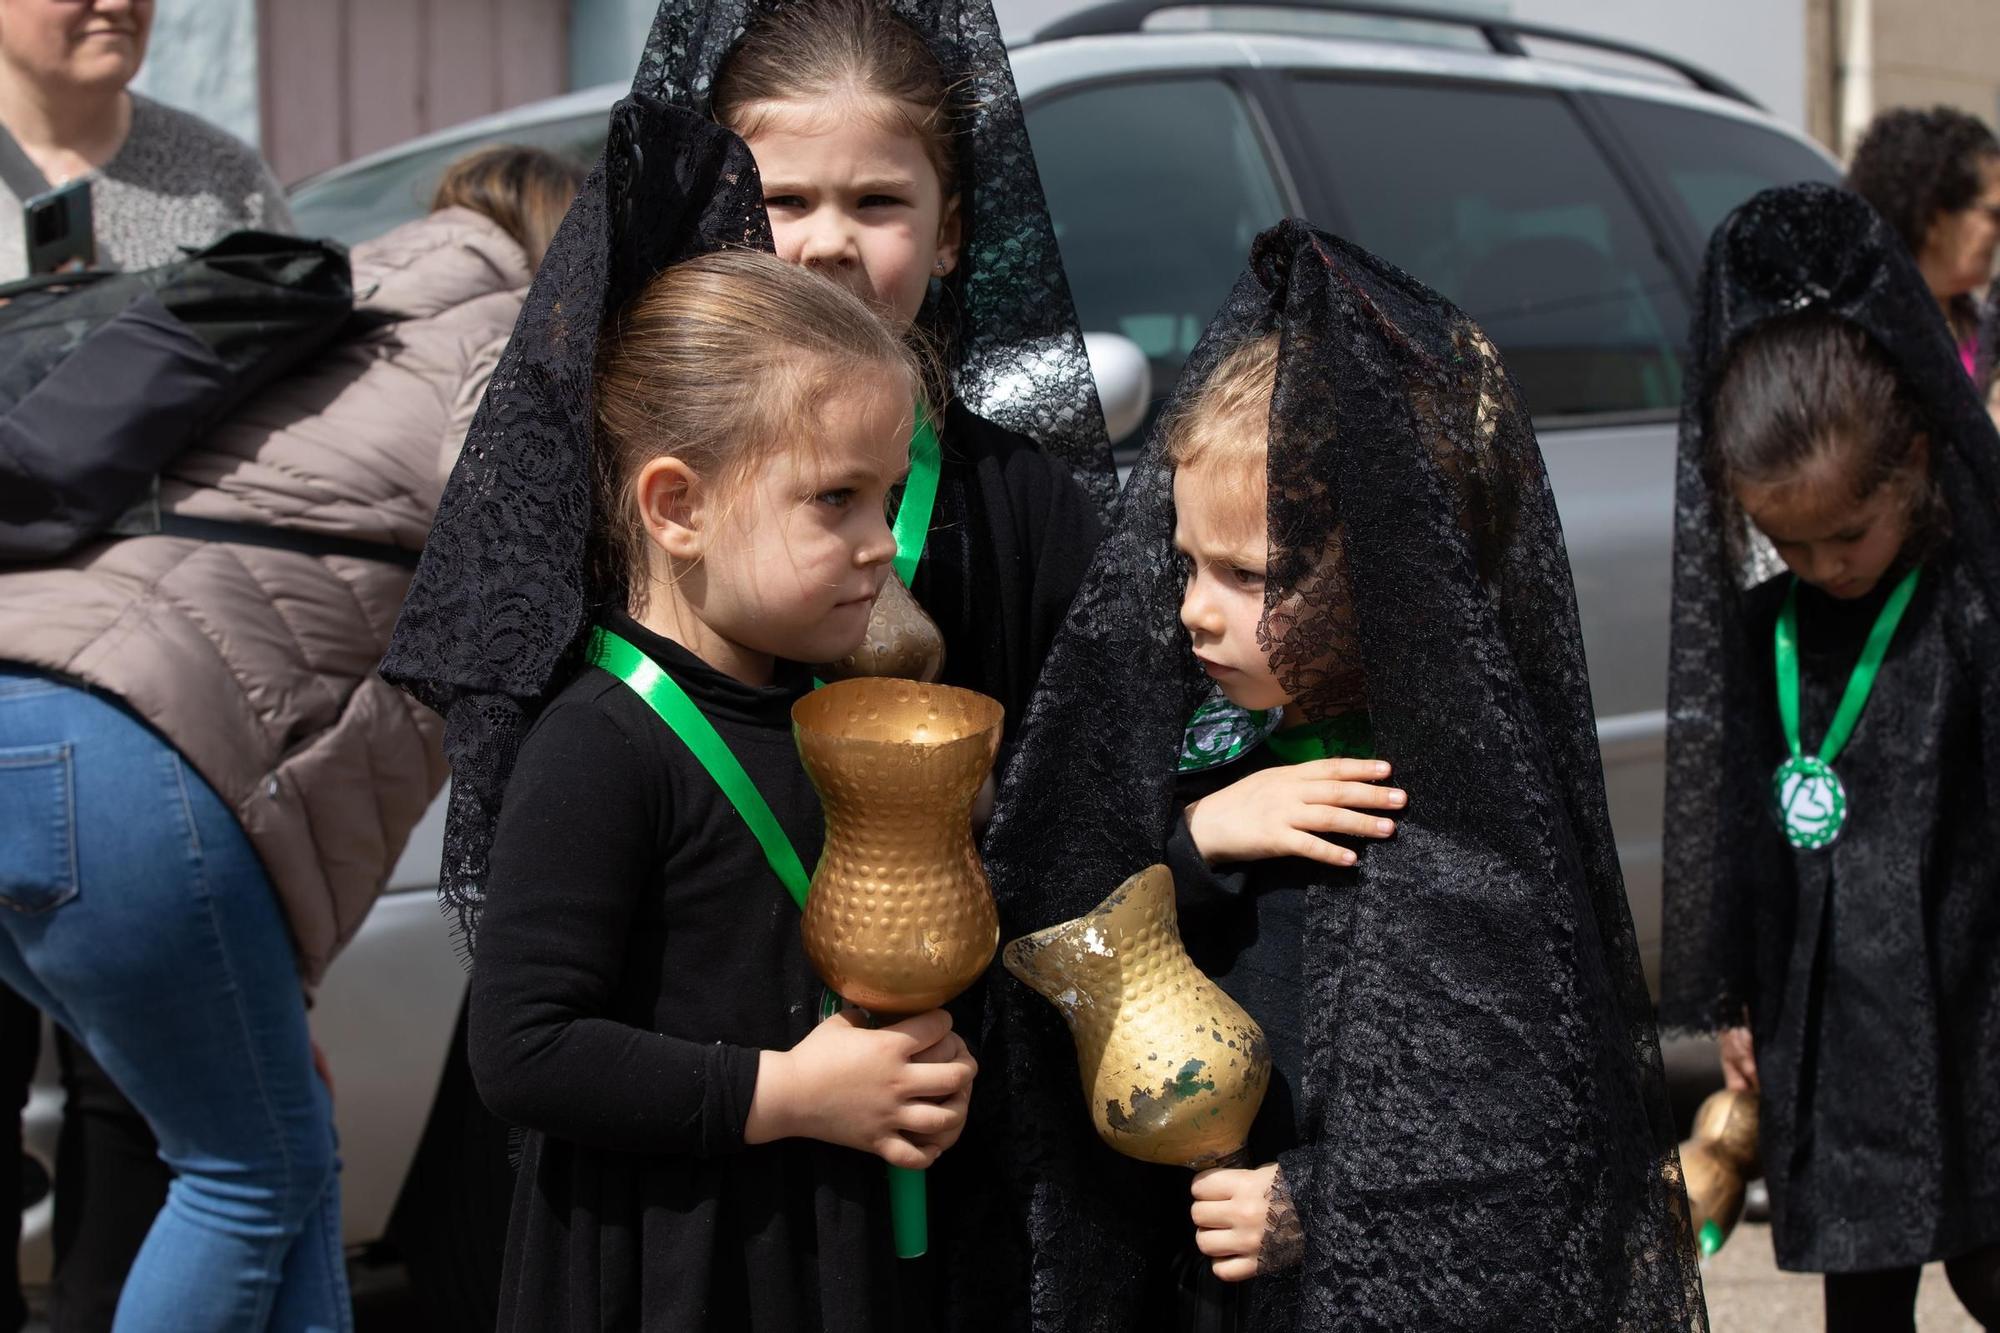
(788, 562)
(1839, 543)
(1224, 542)
(852, 197)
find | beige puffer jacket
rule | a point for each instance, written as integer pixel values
(259, 664)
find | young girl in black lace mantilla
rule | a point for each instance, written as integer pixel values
(894, 160)
(702, 1149)
(1344, 530)
(1831, 834)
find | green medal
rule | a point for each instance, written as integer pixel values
(1811, 802)
(1221, 732)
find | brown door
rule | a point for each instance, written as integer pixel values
(342, 78)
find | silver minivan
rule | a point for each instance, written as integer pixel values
(1558, 187)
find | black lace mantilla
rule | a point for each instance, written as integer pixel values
(501, 599)
(1487, 1140)
(1790, 251)
(1004, 319)
(494, 617)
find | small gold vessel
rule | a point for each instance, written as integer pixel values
(1174, 1070)
(902, 642)
(900, 918)
(1716, 1163)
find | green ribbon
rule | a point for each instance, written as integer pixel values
(913, 516)
(1855, 698)
(664, 695)
(1349, 736)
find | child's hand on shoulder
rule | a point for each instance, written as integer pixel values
(1284, 811)
(1234, 1215)
(899, 1092)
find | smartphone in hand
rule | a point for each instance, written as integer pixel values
(60, 229)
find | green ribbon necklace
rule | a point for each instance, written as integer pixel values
(685, 719)
(1810, 799)
(1349, 736)
(920, 488)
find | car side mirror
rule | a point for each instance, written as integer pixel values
(1124, 381)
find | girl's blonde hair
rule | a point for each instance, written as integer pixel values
(840, 49)
(525, 190)
(1223, 430)
(722, 362)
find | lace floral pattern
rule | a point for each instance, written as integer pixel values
(1787, 252)
(1488, 1143)
(1005, 320)
(503, 594)
(1284, 1233)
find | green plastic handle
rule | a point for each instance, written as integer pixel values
(909, 1212)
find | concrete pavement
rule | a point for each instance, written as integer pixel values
(1748, 1294)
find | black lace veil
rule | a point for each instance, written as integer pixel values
(502, 596)
(1489, 1142)
(1790, 251)
(1004, 320)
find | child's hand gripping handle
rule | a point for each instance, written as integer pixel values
(898, 1091)
(909, 1201)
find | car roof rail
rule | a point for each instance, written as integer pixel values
(1503, 35)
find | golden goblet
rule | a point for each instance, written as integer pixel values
(1173, 1069)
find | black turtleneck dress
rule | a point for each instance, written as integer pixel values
(635, 954)
(1875, 963)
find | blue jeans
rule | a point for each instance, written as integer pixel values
(139, 917)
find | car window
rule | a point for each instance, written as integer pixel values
(1710, 164)
(1157, 189)
(356, 206)
(1499, 200)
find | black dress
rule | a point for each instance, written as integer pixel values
(636, 954)
(1010, 540)
(1870, 970)
(1875, 986)
(1244, 925)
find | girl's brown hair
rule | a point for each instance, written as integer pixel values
(525, 190)
(1815, 389)
(720, 362)
(833, 49)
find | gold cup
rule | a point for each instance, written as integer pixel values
(902, 641)
(900, 918)
(1174, 1070)
(1716, 1163)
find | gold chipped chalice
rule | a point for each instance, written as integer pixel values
(902, 641)
(1716, 1162)
(1173, 1069)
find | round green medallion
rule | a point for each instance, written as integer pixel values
(1812, 805)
